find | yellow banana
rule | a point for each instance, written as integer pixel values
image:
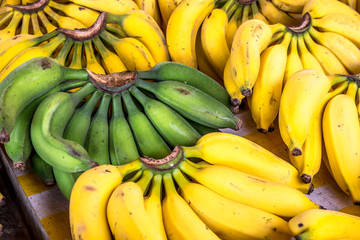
(265, 100)
(126, 213)
(89, 197)
(323, 224)
(181, 222)
(13, 40)
(10, 30)
(274, 14)
(182, 29)
(232, 26)
(256, 14)
(82, 14)
(290, 5)
(342, 142)
(308, 60)
(293, 63)
(91, 62)
(347, 52)
(110, 6)
(150, 7)
(77, 56)
(213, 39)
(230, 219)
(234, 151)
(153, 206)
(299, 100)
(231, 88)
(266, 195)
(49, 27)
(166, 8)
(63, 21)
(328, 61)
(251, 38)
(35, 25)
(320, 8)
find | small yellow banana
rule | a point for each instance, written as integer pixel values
(231, 87)
(10, 30)
(308, 60)
(290, 5)
(151, 7)
(232, 26)
(274, 14)
(110, 6)
(166, 8)
(293, 63)
(91, 61)
(63, 21)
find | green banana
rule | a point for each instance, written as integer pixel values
(65, 181)
(123, 147)
(47, 129)
(148, 140)
(41, 169)
(171, 125)
(64, 52)
(174, 71)
(77, 132)
(192, 103)
(97, 142)
(28, 82)
(19, 147)
(202, 129)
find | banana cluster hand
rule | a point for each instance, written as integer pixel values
(74, 131)
(206, 199)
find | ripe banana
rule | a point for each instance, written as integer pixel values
(298, 101)
(151, 7)
(290, 6)
(325, 224)
(92, 62)
(182, 29)
(320, 8)
(293, 63)
(308, 60)
(274, 14)
(110, 6)
(166, 8)
(265, 99)
(266, 195)
(11, 28)
(89, 198)
(227, 218)
(230, 150)
(231, 88)
(63, 21)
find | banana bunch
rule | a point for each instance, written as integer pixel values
(353, 4)
(195, 192)
(324, 224)
(104, 119)
(114, 43)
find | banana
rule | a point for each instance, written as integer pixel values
(140, 25)
(182, 29)
(213, 39)
(123, 147)
(298, 101)
(49, 27)
(17, 47)
(320, 8)
(231, 88)
(97, 140)
(256, 14)
(151, 7)
(233, 151)
(63, 21)
(308, 60)
(82, 14)
(343, 48)
(127, 215)
(251, 38)
(45, 50)
(91, 62)
(41, 169)
(152, 204)
(328, 61)
(192, 103)
(341, 126)
(232, 26)
(341, 24)
(266, 195)
(275, 15)
(65, 181)
(325, 224)
(131, 51)
(265, 99)
(77, 56)
(47, 126)
(202, 129)
(11, 28)
(30, 81)
(171, 126)
(13, 40)
(180, 221)
(35, 25)
(166, 8)
(294, 62)
(174, 71)
(89, 199)
(290, 6)
(19, 147)
(62, 56)
(227, 218)
(110, 6)
(148, 140)
(110, 60)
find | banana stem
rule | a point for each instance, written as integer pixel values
(75, 74)
(165, 164)
(4, 19)
(62, 56)
(82, 93)
(169, 184)
(76, 61)
(145, 180)
(352, 90)
(25, 24)
(304, 26)
(130, 167)
(189, 168)
(192, 151)
(135, 177)
(35, 24)
(180, 178)
(31, 7)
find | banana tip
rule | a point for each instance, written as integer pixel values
(296, 151)
(4, 136)
(238, 124)
(311, 188)
(247, 92)
(306, 178)
(19, 165)
(262, 130)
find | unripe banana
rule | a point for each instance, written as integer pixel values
(42, 169)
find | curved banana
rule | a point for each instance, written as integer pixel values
(341, 127)
(298, 105)
(89, 198)
(308, 60)
(11, 28)
(266, 195)
(63, 21)
(182, 29)
(265, 100)
(92, 62)
(293, 63)
(151, 7)
(180, 221)
(232, 88)
(166, 8)
(234, 151)
(274, 15)
(41, 169)
(110, 6)
(227, 218)
(232, 26)
(320, 8)
(325, 224)
(290, 6)
(13, 40)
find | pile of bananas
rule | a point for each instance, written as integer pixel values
(212, 191)
(114, 43)
(74, 131)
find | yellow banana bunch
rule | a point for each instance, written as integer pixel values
(322, 224)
